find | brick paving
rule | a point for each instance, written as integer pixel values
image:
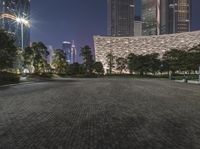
(100, 114)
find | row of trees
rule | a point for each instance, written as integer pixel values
(172, 61)
(34, 59)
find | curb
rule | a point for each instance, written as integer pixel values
(9, 85)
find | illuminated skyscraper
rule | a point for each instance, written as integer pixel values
(120, 17)
(12, 14)
(67, 46)
(70, 51)
(165, 16)
(74, 53)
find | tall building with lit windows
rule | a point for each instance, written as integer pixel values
(70, 51)
(12, 14)
(120, 17)
(165, 16)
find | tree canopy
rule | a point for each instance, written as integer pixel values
(8, 51)
(59, 62)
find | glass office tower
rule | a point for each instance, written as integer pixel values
(10, 11)
(182, 15)
(120, 17)
(67, 48)
(165, 16)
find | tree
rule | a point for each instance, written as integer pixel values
(153, 62)
(110, 60)
(19, 61)
(175, 60)
(8, 51)
(29, 58)
(35, 58)
(59, 62)
(121, 64)
(74, 69)
(88, 59)
(194, 58)
(98, 68)
(40, 57)
(143, 63)
(131, 61)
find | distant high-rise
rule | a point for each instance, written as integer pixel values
(165, 16)
(120, 17)
(70, 51)
(67, 46)
(137, 26)
(10, 12)
(74, 53)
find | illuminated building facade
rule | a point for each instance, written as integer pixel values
(165, 16)
(120, 17)
(123, 46)
(183, 15)
(10, 11)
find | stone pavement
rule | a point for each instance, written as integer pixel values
(100, 114)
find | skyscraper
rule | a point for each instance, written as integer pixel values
(165, 16)
(14, 18)
(70, 51)
(182, 12)
(137, 26)
(67, 46)
(120, 17)
(74, 53)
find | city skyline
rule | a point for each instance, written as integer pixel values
(166, 16)
(78, 24)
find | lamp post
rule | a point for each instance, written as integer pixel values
(22, 22)
(199, 74)
(173, 6)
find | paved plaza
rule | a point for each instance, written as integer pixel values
(100, 114)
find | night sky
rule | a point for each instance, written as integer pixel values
(56, 21)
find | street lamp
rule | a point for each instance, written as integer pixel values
(22, 22)
(173, 6)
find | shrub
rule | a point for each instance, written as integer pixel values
(7, 78)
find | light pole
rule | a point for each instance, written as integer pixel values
(199, 74)
(173, 6)
(22, 22)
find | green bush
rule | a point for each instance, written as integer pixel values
(8, 78)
